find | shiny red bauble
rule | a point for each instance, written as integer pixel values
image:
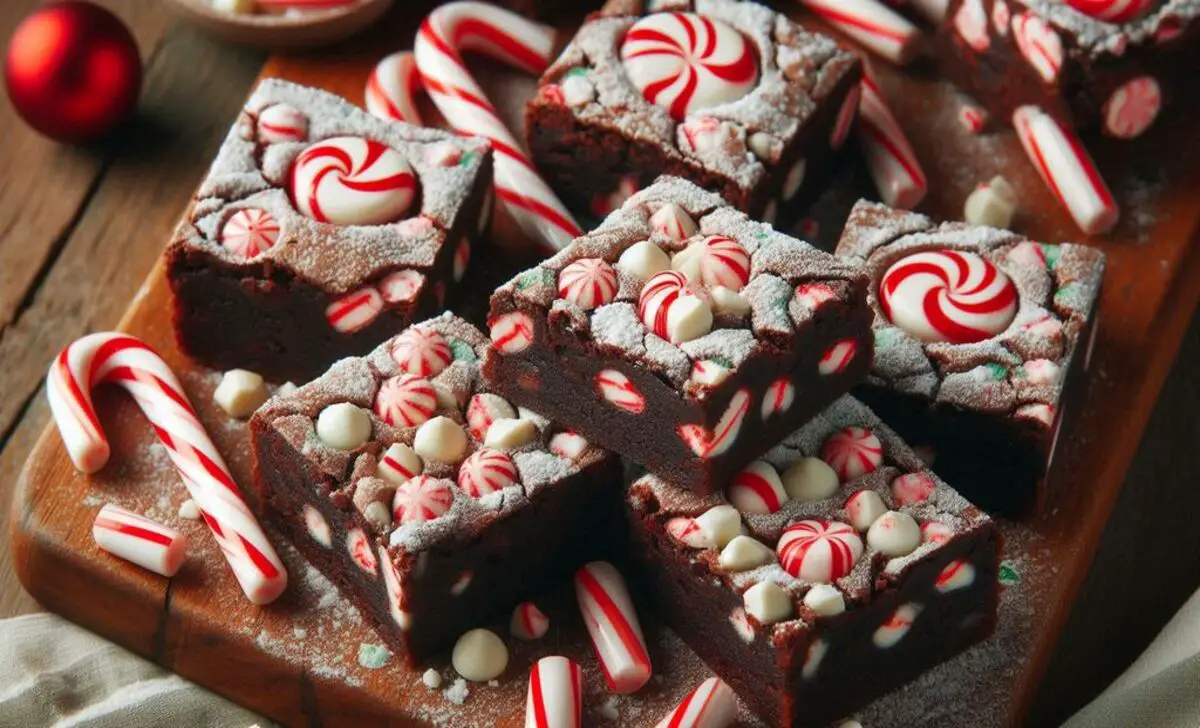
(72, 71)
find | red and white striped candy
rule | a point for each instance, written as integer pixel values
(399, 464)
(483, 410)
(958, 574)
(661, 299)
(1040, 45)
(391, 87)
(613, 626)
(486, 471)
(514, 40)
(689, 533)
(845, 118)
(707, 444)
(948, 295)
(528, 622)
(250, 232)
(355, 310)
(890, 158)
(604, 203)
(462, 257)
(812, 295)
(837, 357)
(673, 221)
(819, 551)
(1001, 18)
(1112, 11)
(139, 540)
(395, 593)
(617, 390)
(352, 181)
(757, 489)
(569, 445)
(936, 533)
(588, 283)
(1132, 108)
(126, 361)
(511, 332)
(971, 22)
(711, 705)
(877, 27)
(405, 401)
(852, 452)
(912, 488)
(401, 286)
(555, 696)
(684, 62)
(421, 352)
(714, 261)
(973, 118)
(421, 499)
(358, 545)
(778, 398)
(893, 630)
(282, 123)
(1067, 170)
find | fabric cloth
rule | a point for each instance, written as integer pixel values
(55, 674)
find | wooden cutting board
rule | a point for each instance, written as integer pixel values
(309, 660)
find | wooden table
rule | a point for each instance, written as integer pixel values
(83, 226)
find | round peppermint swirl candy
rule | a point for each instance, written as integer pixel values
(352, 181)
(421, 352)
(684, 62)
(852, 452)
(405, 401)
(714, 261)
(948, 296)
(588, 283)
(487, 471)
(421, 499)
(249, 232)
(819, 551)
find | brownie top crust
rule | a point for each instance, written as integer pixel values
(1001, 344)
(254, 170)
(743, 128)
(760, 285)
(1095, 38)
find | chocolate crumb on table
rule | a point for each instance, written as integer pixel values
(681, 334)
(432, 503)
(982, 344)
(320, 231)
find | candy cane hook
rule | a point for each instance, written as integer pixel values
(391, 87)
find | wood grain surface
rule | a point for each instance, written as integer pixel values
(71, 260)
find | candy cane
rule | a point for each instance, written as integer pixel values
(139, 540)
(1067, 170)
(124, 360)
(391, 87)
(871, 23)
(710, 705)
(518, 42)
(613, 626)
(555, 696)
(890, 158)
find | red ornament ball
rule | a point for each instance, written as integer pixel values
(73, 71)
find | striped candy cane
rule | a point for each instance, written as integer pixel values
(126, 361)
(880, 29)
(391, 87)
(555, 696)
(139, 540)
(890, 159)
(613, 626)
(1067, 170)
(518, 42)
(710, 705)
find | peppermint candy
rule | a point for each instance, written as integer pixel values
(359, 548)
(971, 22)
(421, 499)
(714, 261)
(355, 310)
(819, 551)
(405, 401)
(674, 222)
(486, 471)
(617, 390)
(352, 181)
(706, 444)
(281, 123)
(974, 118)
(484, 409)
(1040, 45)
(936, 533)
(688, 532)
(555, 695)
(613, 626)
(401, 286)
(249, 232)
(778, 397)
(757, 489)
(139, 540)
(671, 308)
(1132, 108)
(684, 62)
(958, 574)
(711, 705)
(512, 332)
(391, 87)
(400, 464)
(845, 119)
(421, 352)
(588, 283)
(812, 295)
(948, 296)
(874, 25)
(913, 488)
(852, 452)
(1112, 11)
(528, 622)
(568, 445)
(893, 630)
(837, 357)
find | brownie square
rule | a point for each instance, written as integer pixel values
(319, 232)
(681, 334)
(845, 570)
(982, 344)
(1113, 72)
(730, 95)
(447, 506)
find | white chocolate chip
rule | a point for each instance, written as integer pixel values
(509, 433)
(689, 317)
(643, 260)
(894, 534)
(287, 389)
(578, 91)
(729, 302)
(744, 553)
(189, 510)
(344, 426)
(378, 514)
(241, 7)
(400, 464)
(240, 393)
(479, 655)
(767, 602)
(440, 439)
(825, 599)
(720, 524)
(863, 508)
(764, 146)
(809, 479)
(432, 679)
(992, 204)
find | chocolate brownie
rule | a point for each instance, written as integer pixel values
(730, 95)
(1110, 71)
(320, 231)
(433, 504)
(682, 334)
(832, 571)
(982, 343)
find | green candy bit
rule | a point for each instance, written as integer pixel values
(1019, 372)
(537, 277)
(462, 351)
(886, 337)
(373, 657)
(998, 371)
(577, 71)
(467, 158)
(1051, 252)
(1008, 574)
(721, 361)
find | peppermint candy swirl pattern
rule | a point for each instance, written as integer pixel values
(1112, 11)
(421, 352)
(250, 232)
(588, 283)
(819, 551)
(667, 304)
(714, 261)
(405, 401)
(948, 296)
(1132, 108)
(352, 181)
(421, 499)
(684, 62)
(852, 452)
(282, 123)
(486, 471)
